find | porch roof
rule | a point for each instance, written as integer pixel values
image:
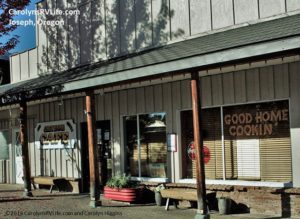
(253, 40)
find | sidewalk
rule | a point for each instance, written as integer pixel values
(68, 205)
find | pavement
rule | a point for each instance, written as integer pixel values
(67, 205)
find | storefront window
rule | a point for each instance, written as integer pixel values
(212, 145)
(4, 154)
(255, 145)
(146, 147)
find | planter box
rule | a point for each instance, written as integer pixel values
(126, 194)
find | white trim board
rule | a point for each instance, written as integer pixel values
(240, 183)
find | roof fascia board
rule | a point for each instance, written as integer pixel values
(218, 57)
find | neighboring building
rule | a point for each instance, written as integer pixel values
(4, 71)
(138, 57)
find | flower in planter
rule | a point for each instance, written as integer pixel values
(121, 181)
(120, 188)
(159, 187)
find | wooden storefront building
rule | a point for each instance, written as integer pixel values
(139, 71)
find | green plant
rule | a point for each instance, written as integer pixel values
(121, 181)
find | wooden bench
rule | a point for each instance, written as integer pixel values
(46, 180)
(174, 194)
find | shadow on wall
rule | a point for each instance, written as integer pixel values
(104, 31)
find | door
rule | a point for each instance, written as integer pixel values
(103, 150)
(18, 156)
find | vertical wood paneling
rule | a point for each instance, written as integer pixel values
(206, 91)
(58, 172)
(245, 10)
(67, 153)
(112, 14)
(222, 13)
(85, 33)
(140, 99)
(168, 108)
(158, 98)
(42, 152)
(143, 23)
(123, 102)
(98, 31)
(24, 65)
(63, 45)
(15, 69)
(63, 4)
(47, 151)
(200, 16)
(42, 42)
(107, 106)
(38, 153)
(117, 155)
(292, 5)
(53, 163)
(122, 111)
(217, 88)
(228, 88)
(252, 84)
(167, 105)
(33, 63)
(31, 149)
(180, 24)
(294, 69)
(80, 119)
(176, 102)
(131, 97)
(160, 21)
(150, 99)
(240, 86)
(52, 48)
(186, 99)
(75, 151)
(99, 101)
(269, 8)
(281, 81)
(74, 41)
(267, 83)
(127, 26)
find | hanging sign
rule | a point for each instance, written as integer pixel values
(55, 134)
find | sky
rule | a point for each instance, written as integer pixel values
(26, 33)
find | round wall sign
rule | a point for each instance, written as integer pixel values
(192, 152)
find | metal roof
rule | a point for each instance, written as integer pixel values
(270, 36)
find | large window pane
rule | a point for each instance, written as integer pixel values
(153, 145)
(131, 146)
(145, 145)
(212, 144)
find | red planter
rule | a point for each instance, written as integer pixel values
(126, 194)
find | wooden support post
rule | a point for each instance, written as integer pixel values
(94, 179)
(24, 145)
(198, 143)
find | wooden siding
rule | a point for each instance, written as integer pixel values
(250, 85)
(246, 86)
(112, 28)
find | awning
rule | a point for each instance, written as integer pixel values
(270, 37)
